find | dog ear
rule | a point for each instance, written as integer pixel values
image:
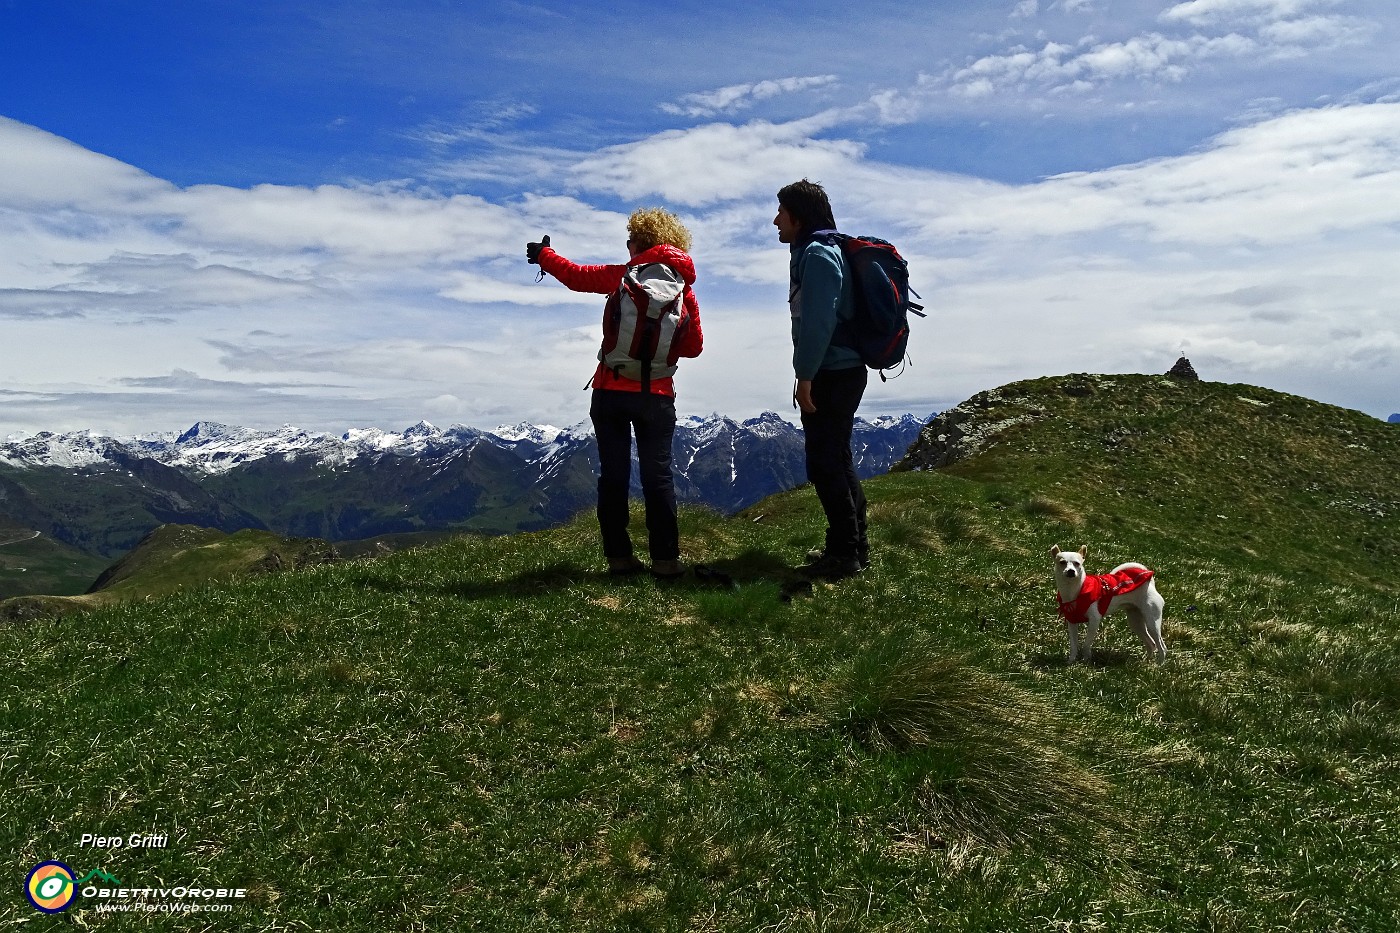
(1084, 551)
(1055, 550)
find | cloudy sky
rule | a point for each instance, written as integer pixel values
(314, 211)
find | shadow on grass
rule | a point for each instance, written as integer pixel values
(1103, 657)
(556, 576)
(747, 569)
(752, 567)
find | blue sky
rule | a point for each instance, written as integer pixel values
(315, 213)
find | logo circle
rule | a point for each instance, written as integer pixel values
(50, 887)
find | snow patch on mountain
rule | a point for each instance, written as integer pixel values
(423, 438)
(524, 431)
(208, 447)
(769, 424)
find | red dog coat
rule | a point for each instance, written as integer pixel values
(1101, 588)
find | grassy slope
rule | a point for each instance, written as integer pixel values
(172, 558)
(1242, 471)
(492, 735)
(175, 557)
(31, 563)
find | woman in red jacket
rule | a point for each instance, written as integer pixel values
(632, 386)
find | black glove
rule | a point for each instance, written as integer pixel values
(532, 250)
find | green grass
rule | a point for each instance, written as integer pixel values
(492, 734)
(33, 564)
(172, 558)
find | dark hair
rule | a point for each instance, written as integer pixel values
(806, 201)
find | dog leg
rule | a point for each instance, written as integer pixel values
(1139, 623)
(1092, 634)
(1153, 613)
(1159, 644)
(1072, 633)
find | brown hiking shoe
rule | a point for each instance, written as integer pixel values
(625, 566)
(831, 567)
(668, 569)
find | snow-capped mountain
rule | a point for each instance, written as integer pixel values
(77, 449)
(210, 447)
(536, 442)
(101, 494)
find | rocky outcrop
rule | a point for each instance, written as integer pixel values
(968, 429)
(1184, 371)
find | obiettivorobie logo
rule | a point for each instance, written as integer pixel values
(51, 886)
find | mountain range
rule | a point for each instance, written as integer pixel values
(82, 499)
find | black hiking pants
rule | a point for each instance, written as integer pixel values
(616, 416)
(830, 466)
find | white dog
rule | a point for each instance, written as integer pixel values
(1087, 599)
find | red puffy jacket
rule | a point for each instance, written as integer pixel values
(604, 280)
(1100, 589)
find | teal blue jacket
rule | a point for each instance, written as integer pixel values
(820, 296)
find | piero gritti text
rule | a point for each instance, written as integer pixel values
(132, 841)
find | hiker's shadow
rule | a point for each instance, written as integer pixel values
(557, 576)
(750, 568)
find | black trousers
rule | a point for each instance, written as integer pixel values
(830, 466)
(616, 416)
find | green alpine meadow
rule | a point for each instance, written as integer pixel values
(489, 733)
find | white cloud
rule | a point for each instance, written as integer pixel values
(715, 163)
(183, 279)
(1056, 65)
(41, 170)
(1315, 32)
(1214, 31)
(380, 223)
(1291, 179)
(1203, 12)
(1265, 253)
(736, 97)
(475, 288)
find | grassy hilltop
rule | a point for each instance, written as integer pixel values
(490, 734)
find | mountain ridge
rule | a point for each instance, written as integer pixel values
(215, 447)
(101, 495)
(1316, 476)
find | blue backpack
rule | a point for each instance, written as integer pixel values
(879, 329)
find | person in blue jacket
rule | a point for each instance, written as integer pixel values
(830, 377)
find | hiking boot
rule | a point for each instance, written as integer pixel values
(668, 569)
(862, 556)
(831, 567)
(625, 566)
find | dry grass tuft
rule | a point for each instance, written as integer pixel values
(989, 761)
(1044, 507)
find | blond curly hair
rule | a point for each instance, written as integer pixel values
(652, 226)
